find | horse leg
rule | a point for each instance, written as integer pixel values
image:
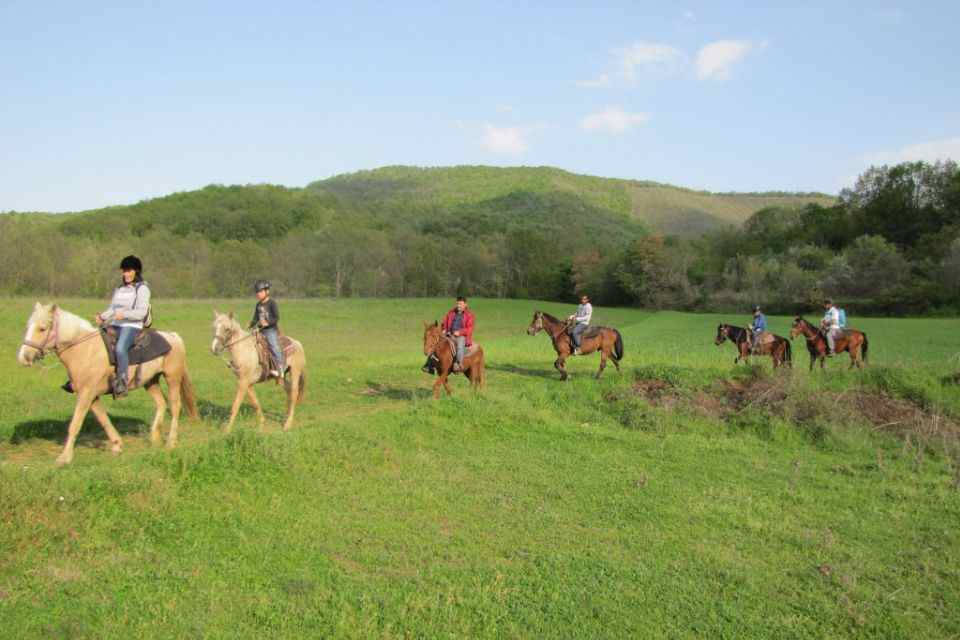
(237, 400)
(293, 390)
(603, 363)
(173, 390)
(85, 398)
(562, 368)
(161, 405)
(116, 445)
(441, 380)
(252, 397)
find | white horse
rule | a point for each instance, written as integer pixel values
(245, 363)
(78, 345)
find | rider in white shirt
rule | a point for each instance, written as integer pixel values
(582, 320)
(831, 325)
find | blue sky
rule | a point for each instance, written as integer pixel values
(111, 103)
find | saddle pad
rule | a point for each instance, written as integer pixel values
(147, 346)
(266, 356)
(592, 332)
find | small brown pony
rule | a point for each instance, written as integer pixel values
(78, 345)
(245, 363)
(852, 341)
(606, 340)
(778, 349)
(474, 367)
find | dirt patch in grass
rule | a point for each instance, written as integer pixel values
(756, 392)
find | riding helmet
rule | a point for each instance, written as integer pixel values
(131, 262)
(261, 285)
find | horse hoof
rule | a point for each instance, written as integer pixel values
(171, 444)
(116, 449)
(63, 460)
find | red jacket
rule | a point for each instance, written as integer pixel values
(466, 329)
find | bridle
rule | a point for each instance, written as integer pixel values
(228, 331)
(50, 342)
(537, 324)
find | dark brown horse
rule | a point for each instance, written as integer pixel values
(852, 341)
(778, 349)
(474, 367)
(603, 339)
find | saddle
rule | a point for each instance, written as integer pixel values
(766, 337)
(266, 356)
(592, 331)
(472, 349)
(147, 346)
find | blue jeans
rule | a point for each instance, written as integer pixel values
(273, 339)
(124, 341)
(461, 347)
(575, 334)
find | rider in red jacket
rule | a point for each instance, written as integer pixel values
(458, 323)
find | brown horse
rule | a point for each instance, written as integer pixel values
(245, 363)
(474, 366)
(606, 340)
(778, 349)
(78, 345)
(852, 341)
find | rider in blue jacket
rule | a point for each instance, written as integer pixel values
(758, 326)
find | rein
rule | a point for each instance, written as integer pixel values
(239, 340)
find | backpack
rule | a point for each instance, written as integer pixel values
(843, 318)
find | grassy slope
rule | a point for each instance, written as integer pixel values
(661, 207)
(537, 509)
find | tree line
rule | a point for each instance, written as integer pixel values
(890, 244)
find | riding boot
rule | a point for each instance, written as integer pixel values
(457, 367)
(429, 366)
(67, 386)
(119, 387)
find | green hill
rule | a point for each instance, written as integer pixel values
(660, 207)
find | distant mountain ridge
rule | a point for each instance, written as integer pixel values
(662, 208)
(413, 196)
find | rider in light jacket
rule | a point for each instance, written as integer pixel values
(831, 325)
(127, 311)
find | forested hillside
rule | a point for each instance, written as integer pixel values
(889, 244)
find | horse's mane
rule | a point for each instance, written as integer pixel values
(68, 320)
(549, 317)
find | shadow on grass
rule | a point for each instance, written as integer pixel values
(56, 428)
(521, 371)
(379, 390)
(221, 413)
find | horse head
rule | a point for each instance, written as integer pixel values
(799, 326)
(41, 334)
(225, 326)
(431, 336)
(536, 324)
(723, 332)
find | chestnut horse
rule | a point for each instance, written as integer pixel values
(474, 367)
(78, 345)
(606, 340)
(779, 349)
(852, 341)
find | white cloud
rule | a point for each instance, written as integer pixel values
(613, 120)
(648, 56)
(510, 141)
(628, 62)
(715, 60)
(946, 149)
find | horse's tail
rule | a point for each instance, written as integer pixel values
(865, 346)
(618, 346)
(788, 356)
(302, 385)
(187, 395)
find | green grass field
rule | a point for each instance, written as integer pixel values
(682, 497)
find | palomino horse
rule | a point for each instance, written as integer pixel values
(78, 345)
(603, 339)
(474, 367)
(852, 341)
(245, 363)
(778, 349)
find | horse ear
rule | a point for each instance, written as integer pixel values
(436, 323)
(54, 307)
(37, 306)
(216, 314)
(230, 315)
